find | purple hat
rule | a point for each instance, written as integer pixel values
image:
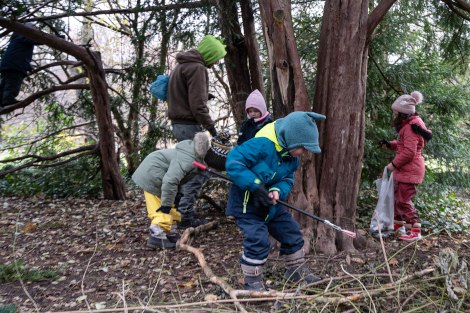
(406, 103)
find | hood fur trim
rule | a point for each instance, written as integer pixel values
(422, 132)
(202, 144)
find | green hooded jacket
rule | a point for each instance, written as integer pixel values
(164, 171)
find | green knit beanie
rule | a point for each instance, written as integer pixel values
(211, 49)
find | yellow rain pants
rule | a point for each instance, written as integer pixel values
(159, 218)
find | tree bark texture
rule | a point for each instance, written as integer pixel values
(112, 181)
(289, 94)
(340, 91)
(236, 59)
(251, 43)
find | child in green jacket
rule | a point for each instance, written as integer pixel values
(161, 175)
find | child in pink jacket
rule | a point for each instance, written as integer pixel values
(408, 165)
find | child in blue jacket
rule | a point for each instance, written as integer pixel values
(257, 117)
(263, 172)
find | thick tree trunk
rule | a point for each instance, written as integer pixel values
(113, 183)
(289, 94)
(236, 59)
(340, 91)
(251, 43)
(328, 183)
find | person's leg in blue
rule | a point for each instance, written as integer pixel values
(285, 230)
(256, 249)
(10, 86)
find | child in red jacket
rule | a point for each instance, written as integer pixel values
(408, 164)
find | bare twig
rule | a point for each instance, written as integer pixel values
(383, 248)
(364, 287)
(31, 98)
(89, 261)
(18, 271)
(259, 294)
(408, 299)
(51, 134)
(182, 244)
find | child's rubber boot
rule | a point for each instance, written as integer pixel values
(253, 279)
(158, 239)
(399, 226)
(413, 235)
(254, 283)
(297, 270)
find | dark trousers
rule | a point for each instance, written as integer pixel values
(192, 188)
(404, 208)
(10, 85)
(256, 243)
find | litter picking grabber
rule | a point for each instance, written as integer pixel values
(346, 232)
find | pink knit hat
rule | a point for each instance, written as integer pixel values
(256, 101)
(406, 103)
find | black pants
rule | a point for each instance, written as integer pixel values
(10, 85)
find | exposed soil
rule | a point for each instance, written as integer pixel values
(102, 243)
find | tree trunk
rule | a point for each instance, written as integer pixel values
(251, 43)
(236, 58)
(289, 94)
(328, 183)
(113, 183)
(340, 91)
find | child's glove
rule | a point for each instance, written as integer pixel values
(385, 143)
(164, 209)
(213, 132)
(261, 197)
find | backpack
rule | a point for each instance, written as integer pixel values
(159, 87)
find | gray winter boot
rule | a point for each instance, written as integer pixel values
(158, 239)
(253, 279)
(297, 270)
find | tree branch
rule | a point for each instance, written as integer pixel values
(92, 20)
(46, 39)
(383, 75)
(376, 16)
(462, 4)
(92, 149)
(450, 5)
(65, 62)
(30, 99)
(41, 158)
(96, 150)
(51, 134)
(186, 5)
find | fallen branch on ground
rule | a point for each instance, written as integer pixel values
(182, 245)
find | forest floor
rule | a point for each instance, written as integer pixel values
(90, 254)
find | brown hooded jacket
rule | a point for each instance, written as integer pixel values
(188, 91)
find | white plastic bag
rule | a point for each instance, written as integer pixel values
(385, 206)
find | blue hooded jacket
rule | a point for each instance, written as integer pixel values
(19, 54)
(265, 159)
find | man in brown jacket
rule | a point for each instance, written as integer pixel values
(188, 90)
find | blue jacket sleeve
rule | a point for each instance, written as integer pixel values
(27, 40)
(241, 158)
(284, 187)
(241, 135)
